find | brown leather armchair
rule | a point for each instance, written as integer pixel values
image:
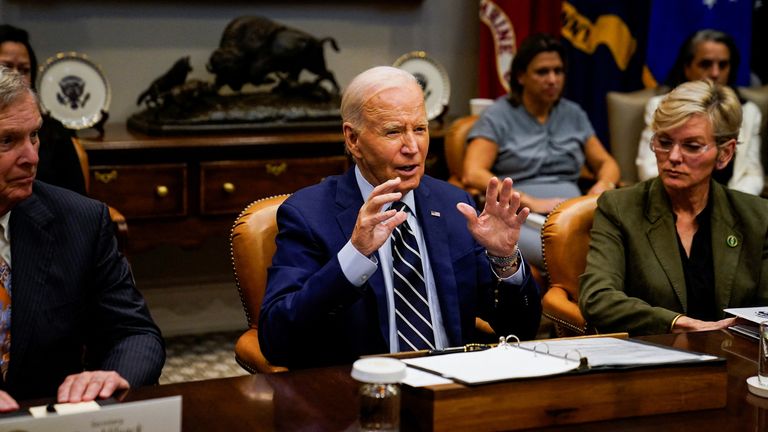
(455, 146)
(253, 243)
(565, 240)
(118, 220)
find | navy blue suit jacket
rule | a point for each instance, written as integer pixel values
(311, 315)
(74, 303)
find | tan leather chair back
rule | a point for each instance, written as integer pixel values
(759, 95)
(625, 125)
(456, 145)
(565, 241)
(252, 246)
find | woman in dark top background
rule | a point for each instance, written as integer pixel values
(59, 164)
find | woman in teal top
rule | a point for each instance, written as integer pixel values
(537, 139)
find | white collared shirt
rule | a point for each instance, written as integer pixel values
(5, 238)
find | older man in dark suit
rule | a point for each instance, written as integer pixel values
(385, 258)
(72, 323)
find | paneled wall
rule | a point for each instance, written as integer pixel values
(136, 41)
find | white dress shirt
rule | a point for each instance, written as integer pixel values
(358, 269)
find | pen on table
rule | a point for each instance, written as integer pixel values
(461, 349)
(452, 350)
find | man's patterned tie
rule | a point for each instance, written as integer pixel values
(5, 316)
(412, 315)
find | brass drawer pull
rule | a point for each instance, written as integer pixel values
(228, 188)
(161, 191)
(105, 177)
(276, 169)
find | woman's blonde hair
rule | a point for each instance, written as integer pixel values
(716, 102)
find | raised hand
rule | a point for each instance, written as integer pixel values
(373, 227)
(497, 228)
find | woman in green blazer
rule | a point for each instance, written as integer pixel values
(670, 253)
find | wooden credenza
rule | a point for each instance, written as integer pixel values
(179, 190)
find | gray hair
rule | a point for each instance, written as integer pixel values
(12, 86)
(716, 102)
(367, 85)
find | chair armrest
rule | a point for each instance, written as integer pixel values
(563, 311)
(121, 227)
(248, 354)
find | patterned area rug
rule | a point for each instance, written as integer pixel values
(200, 357)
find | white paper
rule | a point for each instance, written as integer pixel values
(535, 220)
(419, 378)
(65, 408)
(606, 351)
(163, 414)
(495, 364)
(754, 314)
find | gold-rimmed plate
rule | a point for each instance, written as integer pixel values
(73, 90)
(433, 79)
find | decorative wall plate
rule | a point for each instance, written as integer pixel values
(73, 90)
(433, 79)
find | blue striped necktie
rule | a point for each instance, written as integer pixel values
(412, 315)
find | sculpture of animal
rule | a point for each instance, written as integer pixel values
(166, 82)
(259, 51)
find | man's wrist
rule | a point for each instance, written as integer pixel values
(502, 265)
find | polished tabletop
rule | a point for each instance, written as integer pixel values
(325, 399)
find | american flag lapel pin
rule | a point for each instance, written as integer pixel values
(434, 213)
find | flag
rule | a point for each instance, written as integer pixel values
(605, 44)
(671, 22)
(758, 61)
(504, 24)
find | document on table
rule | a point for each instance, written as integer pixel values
(495, 364)
(611, 352)
(754, 314)
(548, 357)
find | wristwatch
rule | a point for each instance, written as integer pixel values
(503, 264)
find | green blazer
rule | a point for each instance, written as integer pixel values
(634, 278)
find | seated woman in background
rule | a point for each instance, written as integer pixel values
(537, 139)
(670, 253)
(712, 54)
(59, 164)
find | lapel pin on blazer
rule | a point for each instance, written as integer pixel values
(434, 213)
(732, 241)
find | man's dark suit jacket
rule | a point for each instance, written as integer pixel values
(74, 303)
(311, 315)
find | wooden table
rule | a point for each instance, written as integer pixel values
(325, 399)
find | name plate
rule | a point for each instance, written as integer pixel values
(154, 415)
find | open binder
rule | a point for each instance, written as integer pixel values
(516, 360)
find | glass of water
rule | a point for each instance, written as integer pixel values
(762, 357)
